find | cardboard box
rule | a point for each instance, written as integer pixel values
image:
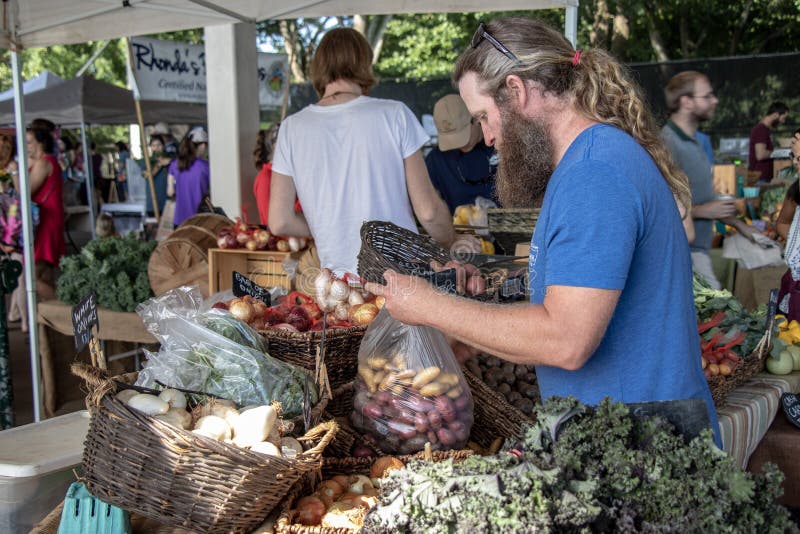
(263, 267)
(725, 178)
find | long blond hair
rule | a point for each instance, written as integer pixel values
(600, 87)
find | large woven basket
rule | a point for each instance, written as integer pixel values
(749, 366)
(510, 226)
(345, 466)
(300, 348)
(173, 476)
(493, 416)
(385, 245)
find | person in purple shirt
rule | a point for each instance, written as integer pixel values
(188, 181)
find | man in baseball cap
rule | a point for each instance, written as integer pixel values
(462, 167)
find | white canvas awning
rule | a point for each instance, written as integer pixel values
(43, 23)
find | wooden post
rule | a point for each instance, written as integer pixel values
(145, 147)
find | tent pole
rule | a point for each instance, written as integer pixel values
(89, 177)
(145, 147)
(27, 233)
(571, 24)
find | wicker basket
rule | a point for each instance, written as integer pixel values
(178, 478)
(753, 364)
(300, 348)
(510, 226)
(494, 417)
(385, 245)
(345, 466)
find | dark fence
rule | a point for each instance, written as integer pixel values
(745, 86)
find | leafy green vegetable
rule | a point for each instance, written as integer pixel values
(115, 268)
(709, 301)
(584, 469)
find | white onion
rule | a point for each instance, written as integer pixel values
(355, 299)
(322, 283)
(294, 244)
(339, 290)
(342, 312)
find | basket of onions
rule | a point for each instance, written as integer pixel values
(385, 245)
(215, 469)
(293, 327)
(339, 502)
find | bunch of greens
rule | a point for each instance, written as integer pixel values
(585, 470)
(115, 268)
(710, 301)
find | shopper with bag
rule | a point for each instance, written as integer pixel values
(612, 310)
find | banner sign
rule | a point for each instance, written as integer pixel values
(176, 72)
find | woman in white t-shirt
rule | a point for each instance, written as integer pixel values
(351, 158)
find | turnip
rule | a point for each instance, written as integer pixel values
(253, 426)
(214, 427)
(173, 397)
(148, 404)
(265, 447)
(125, 395)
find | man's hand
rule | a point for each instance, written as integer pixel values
(407, 297)
(715, 209)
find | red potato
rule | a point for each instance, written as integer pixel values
(471, 270)
(476, 285)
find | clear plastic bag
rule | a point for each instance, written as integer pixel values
(214, 353)
(410, 389)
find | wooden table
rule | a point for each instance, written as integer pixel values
(55, 315)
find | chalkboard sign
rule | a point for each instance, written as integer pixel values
(84, 317)
(791, 407)
(444, 280)
(244, 286)
(772, 309)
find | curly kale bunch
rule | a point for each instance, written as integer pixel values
(582, 469)
(115, 268)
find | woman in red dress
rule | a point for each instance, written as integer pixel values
(46, 190)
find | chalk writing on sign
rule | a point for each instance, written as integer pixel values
(791, 407)
(84, 317)
(244, 286)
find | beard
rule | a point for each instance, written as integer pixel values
(525, 161)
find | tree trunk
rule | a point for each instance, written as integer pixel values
(291, 44)
(740, 26)
(373, 27)
(656, 41)
(621, 35)
(598, 36)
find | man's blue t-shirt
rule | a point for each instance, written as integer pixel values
(610, 221)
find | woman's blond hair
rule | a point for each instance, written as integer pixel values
(600, 87)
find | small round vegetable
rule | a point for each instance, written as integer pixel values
(217, 427)
(125, 395)
(339, 290)
(283, 245)
(476, 285)
(173, 397)
(383, 465)
(241, 309)
(148, 404)
(310, 511)
(266, 447)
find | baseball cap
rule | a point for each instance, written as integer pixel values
(160, 128)
(198, 135)
(453, 122)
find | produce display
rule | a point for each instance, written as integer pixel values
(410, 389)
(251, 427)
(297, 312)
(343, 501)
(728, 333)
(213, 352)
(252, 237)
(115, 268)
(585, 470)
(785, 355)
(517, 383)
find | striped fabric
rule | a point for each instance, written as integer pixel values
(749, 411)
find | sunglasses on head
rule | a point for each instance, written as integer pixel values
(482, 33)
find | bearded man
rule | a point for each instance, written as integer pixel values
(760, 151)
(611, 310)
(691, 101)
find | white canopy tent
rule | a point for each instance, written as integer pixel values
(42, 23)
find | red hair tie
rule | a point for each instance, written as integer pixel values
(576, 58)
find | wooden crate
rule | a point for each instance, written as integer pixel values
(261, 266)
